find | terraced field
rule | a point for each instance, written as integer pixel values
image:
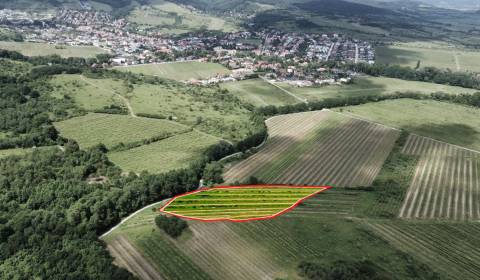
(111, 130)
(171, 153)
(318, 148)
(453, 250)
(446, 184)
(239, 203)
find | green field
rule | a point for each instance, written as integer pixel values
(238, 203)
(259, 93)
(13, 68)
(264, 249)
(179, 71)
(39, 49)
(89, 94)
(371, 86)
(455, 124)
(112, 130)
(161, 156)
(168, 17)
(206, 109)
(14, 152)
(431, 55)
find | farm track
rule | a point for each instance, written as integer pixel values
(446, 183)
(337, 150)
(224, 254)
(452, 249)
(129, 257)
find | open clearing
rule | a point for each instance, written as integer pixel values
(40, 49)
(433, 56)
(452, 123)
(318, 148)
(180, 71)
(239, 203)
(371, 86)
(174, 152)
(446, 184)
(259, 93)
(89, 94)
(453, 250)
(111, 130)
(204, 108)
(168, 17)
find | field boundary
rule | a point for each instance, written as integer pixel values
(286, 91)
(129, 217)
(264, 186)
(443, 142)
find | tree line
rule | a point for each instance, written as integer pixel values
(464, 99)
(426, 74)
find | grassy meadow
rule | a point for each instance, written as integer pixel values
(430, 55)
(259, 93)
(452, 123)
(165, 155)
(112, 130)
(39, 49)
(88, 94)
(206, 109)
(371, 86)
(14, 152)
(179, 71)
(172, 18)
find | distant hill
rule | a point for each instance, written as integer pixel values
(50, 4)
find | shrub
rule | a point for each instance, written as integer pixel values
(172, 226)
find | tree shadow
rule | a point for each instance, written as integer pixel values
(453, 133)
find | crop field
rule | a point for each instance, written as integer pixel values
(239, 203)
(202, 108)
(318, 148)
(452, 250)
(336, 202)
(168, 17)
(431, 56)
(39, 49)
(180, 71)
(259, 93)
(89, 94)
(446, 184)
(126, 255)
(371, 86)
(452, 123)
(267, 249)
(174, 152)
(111, 130)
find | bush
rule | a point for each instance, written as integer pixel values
(172, 226)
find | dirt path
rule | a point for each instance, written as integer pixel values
(123, 98)
(457, 62)
(286, 91)
(128, 257)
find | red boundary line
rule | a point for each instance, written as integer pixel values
(269, 186)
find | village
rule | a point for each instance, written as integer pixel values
(280, 56)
